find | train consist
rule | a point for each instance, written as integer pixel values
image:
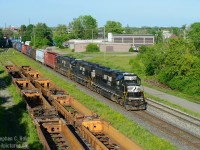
(121, 87)
(61, 121)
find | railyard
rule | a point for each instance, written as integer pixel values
(44, 116)
(132, 115)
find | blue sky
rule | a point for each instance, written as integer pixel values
(135, 13)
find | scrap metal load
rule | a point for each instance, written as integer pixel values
(58, 116)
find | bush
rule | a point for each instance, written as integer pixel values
(131, 49)
(92, 48)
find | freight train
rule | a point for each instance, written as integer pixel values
(121, 87)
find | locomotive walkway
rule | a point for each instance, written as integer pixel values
(174, 99)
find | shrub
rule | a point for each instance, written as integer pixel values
(131, 49)
(92, 48)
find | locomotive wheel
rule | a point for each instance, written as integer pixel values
(98, 90)
(112, 97)
(127, 107)
(121, 102)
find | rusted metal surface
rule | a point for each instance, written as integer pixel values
(24, 48)
(49, 59)
(10, 68)
(54, 134)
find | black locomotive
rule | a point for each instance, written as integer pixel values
(121, 87)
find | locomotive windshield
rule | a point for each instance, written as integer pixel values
(134, 80)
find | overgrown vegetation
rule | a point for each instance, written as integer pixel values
(124, 125)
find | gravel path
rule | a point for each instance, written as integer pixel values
(5, 98)
(8, 114)
(174, 99)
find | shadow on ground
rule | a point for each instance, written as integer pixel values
(4, 81)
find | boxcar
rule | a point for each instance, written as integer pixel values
(40, 55)
(14, 44)
(49, 59)
(24, 49)
(33, 54)
(18, 46)
(28, 52)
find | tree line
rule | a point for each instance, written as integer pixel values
(176, 62)
(83, 27)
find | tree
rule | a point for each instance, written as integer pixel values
(60, 35)
(41, 35)
(128, 30)
(8, 33)
(113, 27)
(26, 32)
(159, 36)
(152, 58)
(194, 35)
(22, 31)
(2, 43)
(178, 60)
(175, 31)
(84, 27)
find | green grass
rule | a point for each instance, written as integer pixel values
(17, 123)
(130, 129)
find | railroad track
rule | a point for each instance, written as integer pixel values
(47, 112)
(176, 133)
(174, 112)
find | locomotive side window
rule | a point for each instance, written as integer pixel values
(132, 79)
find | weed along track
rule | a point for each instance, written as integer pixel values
(61, 121)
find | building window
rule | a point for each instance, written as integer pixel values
(117, 40)
(138, 40)
(148, 40)
(128, 40)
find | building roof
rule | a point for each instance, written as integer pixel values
(133, 35)
(85, 41)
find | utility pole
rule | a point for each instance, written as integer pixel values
(34, 36)
(104, 33)
(92, 35)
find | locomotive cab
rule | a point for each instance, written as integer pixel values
(133, 92)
